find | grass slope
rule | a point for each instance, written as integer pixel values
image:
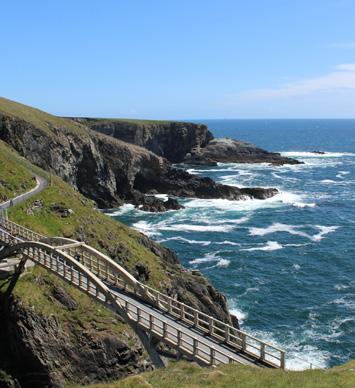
(184, 374)
(15, 178)
(38, 118)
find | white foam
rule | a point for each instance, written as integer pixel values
(198, 228)
(294, 230)
(178, 238)
(340, 287)
(280, 199)
(342, 173)
(127, 207)
(223, 263)
(296, 267)
(327, 181)
(146, 228)
(269, 246)
(226, 242)
(241, 315)
(208, 257)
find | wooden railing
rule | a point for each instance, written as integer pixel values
(106, 269)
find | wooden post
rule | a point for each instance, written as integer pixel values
(282, 361)
(244, 342)
(226, 334)
(196, 318)
(210, 325)
(262, 351)
(212, 355)
(182, 312)
(195, 343)
(179, 338)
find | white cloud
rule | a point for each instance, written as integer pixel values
(342, 78)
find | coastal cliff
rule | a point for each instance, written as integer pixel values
(182, 142)
(107, 170)
(169, 139)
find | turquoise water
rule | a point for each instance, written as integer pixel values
(287, 264)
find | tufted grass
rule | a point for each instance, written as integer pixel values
(183, 374)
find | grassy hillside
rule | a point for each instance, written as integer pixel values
(184, 374)
(82, 221)
(38, 118)
(15, 178)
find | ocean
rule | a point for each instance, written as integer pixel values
(286, 264)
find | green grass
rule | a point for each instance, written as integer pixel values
(15, 178)
(88, 224)
(184, 374)
(138, 122)
(38, 118)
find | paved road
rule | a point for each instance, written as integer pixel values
(40, 186)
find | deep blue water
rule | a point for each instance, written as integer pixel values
(287, 264)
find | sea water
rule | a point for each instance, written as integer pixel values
(286, 264)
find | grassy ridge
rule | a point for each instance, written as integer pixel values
(38, 118)
(184, 374)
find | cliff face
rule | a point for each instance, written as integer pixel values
(49, 349)
(105, 169)
(184, 142)
(172, 140)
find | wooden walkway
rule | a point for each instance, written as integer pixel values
(153, 315)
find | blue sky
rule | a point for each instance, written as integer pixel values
(180, 59)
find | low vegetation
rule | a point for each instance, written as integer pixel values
(15, 178)
(183, 374)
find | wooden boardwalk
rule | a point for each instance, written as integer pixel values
(153, 315)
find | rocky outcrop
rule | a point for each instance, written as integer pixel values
(180, 183)
(42, 352)
(108, 170)
(232, 151)
(169, 139)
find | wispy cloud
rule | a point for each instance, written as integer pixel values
(343, 45)
(341, 78)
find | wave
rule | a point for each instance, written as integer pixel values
(299, 356)
(121, 210)
(341, 174)
(226, 242)
(235, 310)
(178, 238)
(280, 199)
(294, 230)
(146, 228)
(223, 263)
(269, 246)
(208, 257)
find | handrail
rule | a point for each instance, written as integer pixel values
(105, 268)
(75, 273)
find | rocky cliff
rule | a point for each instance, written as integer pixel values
(184, 142)
(170, 139)
(101, 167)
